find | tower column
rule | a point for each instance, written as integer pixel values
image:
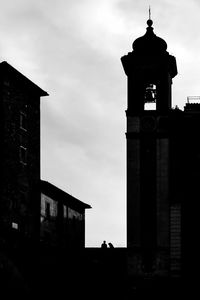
(150, 70)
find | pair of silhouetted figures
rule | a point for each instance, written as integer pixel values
(104, 245)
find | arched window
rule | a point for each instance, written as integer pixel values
(150, 97)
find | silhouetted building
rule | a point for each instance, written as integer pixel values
(62, 218)
(20, 154)
(162, 152)
(33, 213)
(26, 202)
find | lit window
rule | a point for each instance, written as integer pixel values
(15, 225)
(23, 155)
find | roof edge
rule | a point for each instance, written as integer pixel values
(45, 184)
(7, 65)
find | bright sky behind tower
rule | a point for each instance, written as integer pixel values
(72, 50)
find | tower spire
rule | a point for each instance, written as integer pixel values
(149, 21)
(149, 12)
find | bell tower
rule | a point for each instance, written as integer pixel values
(150, 70)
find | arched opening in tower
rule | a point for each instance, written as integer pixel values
(150, 97)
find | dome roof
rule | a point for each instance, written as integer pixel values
(149, 43)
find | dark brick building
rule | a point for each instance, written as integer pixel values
(25, 201)
(42, 228)
(20, 153)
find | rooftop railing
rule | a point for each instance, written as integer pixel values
(193, 99)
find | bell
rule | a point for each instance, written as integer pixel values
(149, 96)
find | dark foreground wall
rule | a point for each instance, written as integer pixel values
(91, 272)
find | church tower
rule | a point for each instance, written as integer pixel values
(150, 211)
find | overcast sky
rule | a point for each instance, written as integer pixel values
(72, 50)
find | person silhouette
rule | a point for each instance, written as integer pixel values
(104, 245)
(110, 245)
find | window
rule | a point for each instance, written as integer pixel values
(47, 210)
(14, 204)
(15, 225)
(74, 223)
(23, 155)
(23, 121)
(65, 211)
(23, 197)
(150, 97)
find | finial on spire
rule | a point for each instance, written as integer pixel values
(149, 12)
(149, 22)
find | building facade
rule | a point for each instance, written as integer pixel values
(20, 154)
(62, 218)
(30, 209)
